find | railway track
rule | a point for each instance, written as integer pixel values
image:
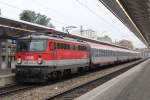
(83, 88)
(14, 88)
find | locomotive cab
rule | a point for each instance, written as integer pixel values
(31, 59)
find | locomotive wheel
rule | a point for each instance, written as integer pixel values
(86, 68)
(80, 69)
(59, 74)
(67, 72)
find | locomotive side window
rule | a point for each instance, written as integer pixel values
(62, 46)
(68, 46)
(55, 46)
(82, 48)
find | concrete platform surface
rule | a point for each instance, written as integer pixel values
(6, 77)
(131, 85)
(5, 71)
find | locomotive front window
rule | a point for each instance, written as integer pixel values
(37, 45)
(33, 45)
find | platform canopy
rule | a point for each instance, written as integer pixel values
(12, 28)
(135, 14)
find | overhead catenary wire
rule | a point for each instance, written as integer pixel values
(94, 13)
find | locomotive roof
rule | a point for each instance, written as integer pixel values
(51, 38)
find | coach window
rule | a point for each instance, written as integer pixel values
(95, 52)
(105, 53)
(100, 52)
(108, 53)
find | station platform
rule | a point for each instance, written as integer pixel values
(6, 77)
(131, 85)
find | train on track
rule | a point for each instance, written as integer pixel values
(42, 57)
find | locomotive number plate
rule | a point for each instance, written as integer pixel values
(29, 57)
(29, 62)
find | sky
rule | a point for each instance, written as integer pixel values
(88, 13)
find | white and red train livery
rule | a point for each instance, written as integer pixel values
(40, 57)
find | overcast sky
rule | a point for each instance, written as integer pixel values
(73, 12)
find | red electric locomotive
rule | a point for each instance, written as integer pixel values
(41, 57)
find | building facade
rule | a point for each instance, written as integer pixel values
(88, 33)
(105, 39)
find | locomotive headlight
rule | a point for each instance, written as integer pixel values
(19, 61)
(40, 61)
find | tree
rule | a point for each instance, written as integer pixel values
(37, 18)
(126, 43)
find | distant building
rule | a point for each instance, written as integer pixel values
(105, 39)
(88, 33)
(126, 44)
